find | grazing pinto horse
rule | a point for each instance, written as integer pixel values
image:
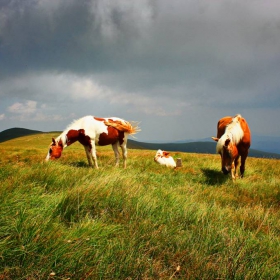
(233, 141)
(91, 131)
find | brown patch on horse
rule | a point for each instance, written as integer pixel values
(78, 135)
(113, 136)
(165, 154)
(246, 140)
(99, 119)
(221, 127)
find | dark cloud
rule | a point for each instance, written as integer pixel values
(173, 61)
(77, 36)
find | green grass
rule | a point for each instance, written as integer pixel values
(64, 220)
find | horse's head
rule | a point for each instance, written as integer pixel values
(228, 152)
(55, 150)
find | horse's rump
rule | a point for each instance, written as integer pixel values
(225, 121)
(246, 140)
(222, 125)
(121, 125)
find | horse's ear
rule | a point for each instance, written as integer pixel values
(215, 139)
(60, 143)
(53, 141)
(227, 142)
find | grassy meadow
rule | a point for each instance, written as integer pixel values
(64, 220)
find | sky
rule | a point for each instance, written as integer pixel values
(176, 67)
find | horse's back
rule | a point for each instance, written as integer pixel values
(223, 122)
(246, 140)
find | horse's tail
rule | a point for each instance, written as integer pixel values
(121, 125)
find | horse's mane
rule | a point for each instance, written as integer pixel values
(72, 125)
(233, 132)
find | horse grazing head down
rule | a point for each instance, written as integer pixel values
(55, 150)
(91, 131)
(233, 141)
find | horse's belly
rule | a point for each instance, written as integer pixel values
(111, 137)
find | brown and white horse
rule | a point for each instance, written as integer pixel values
(91, 131)
(233, 141)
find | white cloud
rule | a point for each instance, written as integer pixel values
(53, 91)
(30, 111)
(86, 88)
(26, 108)
(2, 117)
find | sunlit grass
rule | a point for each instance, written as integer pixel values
(64, 220)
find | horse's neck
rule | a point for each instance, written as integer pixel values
(69, 138)
(62, 138)
(234, 133)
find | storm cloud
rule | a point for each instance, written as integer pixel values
(175, 66)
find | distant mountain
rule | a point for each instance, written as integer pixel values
(266, 143)
(270, 144)
(193, 147)
(12, 133)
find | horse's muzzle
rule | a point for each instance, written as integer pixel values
(225, 170)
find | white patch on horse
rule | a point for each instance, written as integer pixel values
(233, 132)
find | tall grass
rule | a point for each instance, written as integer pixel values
(64, 220)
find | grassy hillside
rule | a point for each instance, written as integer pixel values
(16, 132)
(63, 220)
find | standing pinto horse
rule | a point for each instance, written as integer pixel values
(233, 141)
(91, 131)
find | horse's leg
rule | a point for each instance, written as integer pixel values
(236, 162)
(87, 150)
(93, 153)
(242, 165)
(124, 153)
(116, 151)
(233, 170)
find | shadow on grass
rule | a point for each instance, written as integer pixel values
(81, 164)
(214, 177)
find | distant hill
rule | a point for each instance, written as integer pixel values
(270, 144)
(193, 147)
(12, 133)
(266, 143)
(199, 147)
